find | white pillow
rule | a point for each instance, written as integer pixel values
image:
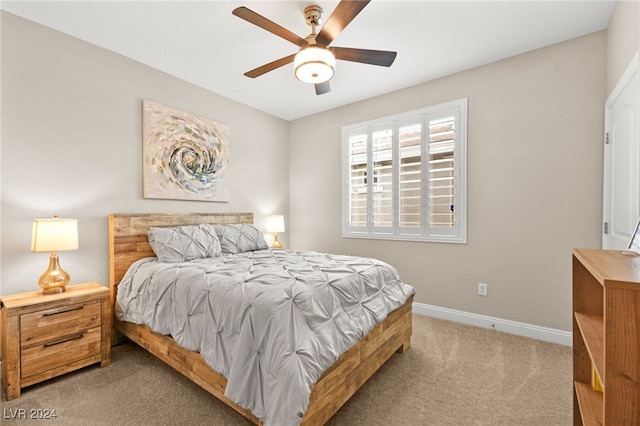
(238, 238)
(184, 243)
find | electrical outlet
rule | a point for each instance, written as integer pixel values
(483, 289)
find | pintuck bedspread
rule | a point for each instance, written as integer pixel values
(270, 321)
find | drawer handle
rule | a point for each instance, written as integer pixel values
(63, 340)
(77, 308)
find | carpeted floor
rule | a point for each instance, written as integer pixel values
(454, 375)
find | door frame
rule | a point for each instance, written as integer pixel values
(610, 241)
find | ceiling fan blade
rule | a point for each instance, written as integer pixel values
(270, 66)
(322, 88)
(339, 19)
(262, 22)
(383, 58)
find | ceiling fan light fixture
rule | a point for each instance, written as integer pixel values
(314, 64)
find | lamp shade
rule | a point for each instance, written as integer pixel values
(314, 65)
(275, 223)
(54, 235)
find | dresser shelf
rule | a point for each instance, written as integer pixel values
(606, 338)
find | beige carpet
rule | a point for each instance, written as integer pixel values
(453, 375)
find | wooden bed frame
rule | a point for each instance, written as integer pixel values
(128, 243)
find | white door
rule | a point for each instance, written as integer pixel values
(621, 186)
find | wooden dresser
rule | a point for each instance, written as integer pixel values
(45, 335)
(606, 338)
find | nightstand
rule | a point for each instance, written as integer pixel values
(46, 335)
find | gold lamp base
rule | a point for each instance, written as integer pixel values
(55, 278)
(277, 244)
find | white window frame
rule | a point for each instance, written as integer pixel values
(455, 234)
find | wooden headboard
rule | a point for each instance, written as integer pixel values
(128, 240)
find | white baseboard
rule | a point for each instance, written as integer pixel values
(519, 328)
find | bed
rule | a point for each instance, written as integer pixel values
(129, 245)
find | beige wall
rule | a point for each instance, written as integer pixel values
(71, 145)
(534, 183)
(623, 39)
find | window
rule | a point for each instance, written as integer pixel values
(405, 176)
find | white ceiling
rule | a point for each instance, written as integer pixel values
(203, 43)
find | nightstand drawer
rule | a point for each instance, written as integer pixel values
(60, 351)
(58, 322)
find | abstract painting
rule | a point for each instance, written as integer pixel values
(185, 156)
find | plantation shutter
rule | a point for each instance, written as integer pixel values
(405, 176)
(382, 178)
(358, 198)
(441, 172)
(410, 187)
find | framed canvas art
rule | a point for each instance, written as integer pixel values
(185, 156)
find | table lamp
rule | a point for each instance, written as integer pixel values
(275, 224)
(54, 235)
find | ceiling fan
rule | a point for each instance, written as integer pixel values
(315, 61)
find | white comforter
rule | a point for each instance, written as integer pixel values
(269, 321)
